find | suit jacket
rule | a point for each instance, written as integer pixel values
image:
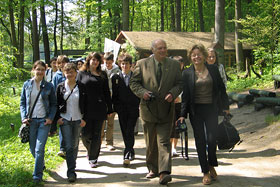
(124, 100)
(144, 79)
(218, 93)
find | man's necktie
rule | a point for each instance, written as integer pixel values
(126, 80)
(159, 73)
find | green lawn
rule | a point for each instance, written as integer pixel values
(16, 161)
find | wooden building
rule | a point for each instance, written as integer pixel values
(178, 43)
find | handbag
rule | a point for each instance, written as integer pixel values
(24, 129)
(228, 135)
(62, 106)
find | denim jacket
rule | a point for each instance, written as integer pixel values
(47, 94)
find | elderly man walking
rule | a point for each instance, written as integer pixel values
(157, 81)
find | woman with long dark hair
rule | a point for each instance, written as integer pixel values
(99, 104)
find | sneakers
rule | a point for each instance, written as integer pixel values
(93, 163)
(111, 148)
(61, 154)
(126, 162)
(174, 153)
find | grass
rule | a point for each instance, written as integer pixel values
(16, 161)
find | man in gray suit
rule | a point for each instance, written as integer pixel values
(157, 81)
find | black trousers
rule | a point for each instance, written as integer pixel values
(205, 118)
(91, 137)
(127, 124)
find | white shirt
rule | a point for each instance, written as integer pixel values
(39, 110)
(126, 78)
(73, 112)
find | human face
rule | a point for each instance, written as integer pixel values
(70, 74)
(93, 63)
(109, 64)
(126, 67)
(39, 72)
(79, 65)
(197, 57)
(53, 65)
(60, 64)
(211, 59)
(160, 50)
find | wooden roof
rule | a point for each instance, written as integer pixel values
(174, 40)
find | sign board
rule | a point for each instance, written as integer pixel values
(112, 46)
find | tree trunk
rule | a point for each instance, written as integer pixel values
(200, 12)
(45, 32)
(87, 39)
(178, 15)
(99, 24)
(125, 15)
(61, 26)
(35, 34)
(220, 28)
(133, 14)
(172, 15)
(161, 15)
(13, 33)
(55, 28)
(21, 35)
(238, 44)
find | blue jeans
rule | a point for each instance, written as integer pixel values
(37, 140)
(70, 131)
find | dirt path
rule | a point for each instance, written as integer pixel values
(255, 162)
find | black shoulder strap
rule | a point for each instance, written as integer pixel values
(37, 97)
(71, 92)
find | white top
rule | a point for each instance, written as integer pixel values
(73, 112)
(39, 110)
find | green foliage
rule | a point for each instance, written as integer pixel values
(16, 161)
(128, 48)
(272, 119)
(238, 84)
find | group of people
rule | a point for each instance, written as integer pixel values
(82, 100)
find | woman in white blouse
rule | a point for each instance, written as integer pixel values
(71, 107)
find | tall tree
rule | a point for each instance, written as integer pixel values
(133, 14)
(45, 32)
(13, 32)
(55, 28)
(238, 44)
(88, 13)
(220, 28)
(178, 15)
(172, 15)
(35, 34)
(200, 12)
(125, 15)
(61, 26)
(99, 23)
(161, 15)
(21, 34)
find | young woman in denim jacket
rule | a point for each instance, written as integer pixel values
(42, 116)
(71, 120)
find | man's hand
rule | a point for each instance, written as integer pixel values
(169, 98)
(48, 121)
(181, 119)
(146, 96)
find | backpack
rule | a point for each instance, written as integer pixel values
(227, 136)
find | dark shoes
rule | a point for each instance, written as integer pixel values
(151, 175)
(129, 156)
(72, 178)
(164, 178)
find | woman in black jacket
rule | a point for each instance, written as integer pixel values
(71, 103)
(99, 104)
(202, 88)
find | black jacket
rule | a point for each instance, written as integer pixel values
(99, 102)
(124, 100)
(220, 97)
(60, 91)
